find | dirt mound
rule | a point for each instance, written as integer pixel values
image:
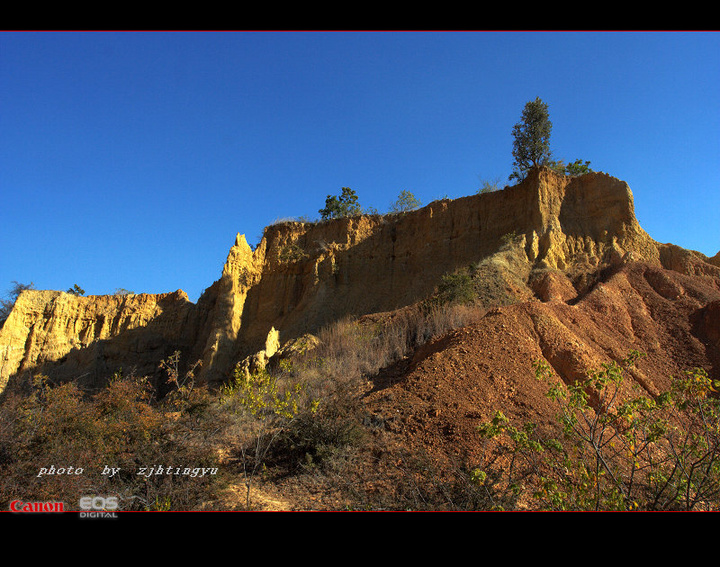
(434, 401)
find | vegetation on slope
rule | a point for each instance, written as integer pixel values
(616, 451)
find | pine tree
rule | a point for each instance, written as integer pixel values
(343, 206)
(531, 145)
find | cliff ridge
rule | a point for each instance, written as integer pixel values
(547, 237)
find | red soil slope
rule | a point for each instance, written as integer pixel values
(435, 400)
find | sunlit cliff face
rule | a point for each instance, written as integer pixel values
(303, 276)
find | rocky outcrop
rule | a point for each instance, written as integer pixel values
(688, 262)
(303, 276)
(91, 338)
(308, 274)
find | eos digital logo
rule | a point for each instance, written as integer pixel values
(98, 507)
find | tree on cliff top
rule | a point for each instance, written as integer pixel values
(343, 206)
(531, 145)
(406, 201)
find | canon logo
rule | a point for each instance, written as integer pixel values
(20, 506)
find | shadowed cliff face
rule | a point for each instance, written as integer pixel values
(303, 276)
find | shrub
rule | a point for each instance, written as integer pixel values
(578, 168)
(619, 450)
(405, 202)
(76, 290)
(265, 407)
(120, 427)
(456, 287)
(575, 168)
(489, 186)
(291, 253)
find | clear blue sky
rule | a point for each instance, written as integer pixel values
(131, 160)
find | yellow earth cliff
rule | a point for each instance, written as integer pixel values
(303, 276)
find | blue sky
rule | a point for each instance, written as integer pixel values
(131, 160)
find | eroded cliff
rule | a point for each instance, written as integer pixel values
(91, 338)
(303, 276)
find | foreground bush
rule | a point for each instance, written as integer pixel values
(61, 444)
(265, 406)
(619, 449)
